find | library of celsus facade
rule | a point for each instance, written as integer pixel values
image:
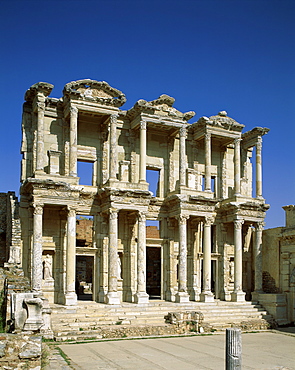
(209, 217)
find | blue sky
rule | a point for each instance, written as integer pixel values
(210, 55)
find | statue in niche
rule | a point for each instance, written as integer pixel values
(119, 268)
(231, 271)
(47, 267)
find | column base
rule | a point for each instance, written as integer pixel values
(181, 297)
(141, 297)
(71, 299)
(112, 298)
(238, 296)
(207, 297)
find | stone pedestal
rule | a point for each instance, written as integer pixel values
(71, 299)
(112, 298)
(238, 296)
(141, 297)
(34, 309)
(181, 297)
(207, 297)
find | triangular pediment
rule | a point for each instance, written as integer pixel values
(97, 91)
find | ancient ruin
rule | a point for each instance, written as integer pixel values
(210, 223)
(132, 206)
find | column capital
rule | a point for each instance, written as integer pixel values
(113, 118)
(113, 213)
(238, 224)
(209, 220)
(259, 143)
(207, 135)
(143, 125)
(182, 219)
(73, 110)
(182, 131)
(141, 216)
(37, 209)
(259, 226)
(40, 106)
(237, 140)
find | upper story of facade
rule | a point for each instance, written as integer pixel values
(210, 158)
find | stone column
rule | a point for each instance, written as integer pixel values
(233, 349)
(207, 162)
(207, 295)
(141, 296)
(71, 296)
(40, 137)
(113, 165)
(112, 296)
(73, 141)
(258, 168)
(182, 158)
(142, 155)
(238, 295)
(237, 166)
(182, 295)
(258, 257)
(37, 267)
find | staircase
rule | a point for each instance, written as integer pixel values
(93, 320)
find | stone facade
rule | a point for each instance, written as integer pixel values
(210, 223)
(279, 269)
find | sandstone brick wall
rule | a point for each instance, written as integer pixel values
(152, 232)
(84, 230)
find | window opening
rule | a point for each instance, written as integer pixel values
(213, 184)
(203, 183)
(153, 177)
(85, 172)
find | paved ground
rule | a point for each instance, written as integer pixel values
(263, 350)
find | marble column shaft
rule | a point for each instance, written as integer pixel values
(207, 255)
(37, 249)
(238, 273)
(142, 155)
(182, 266)
(258, 257)
(207, 162)
(40, 137)
(113, 252)
(71, 252)
(259, 168)
(73, 141)
(237, 166)
(182, 158)
(113, 147)
(141, 254)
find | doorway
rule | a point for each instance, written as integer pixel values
(153, 272)
(84, 277)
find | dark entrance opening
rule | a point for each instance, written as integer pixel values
(153, 272)
(84, 277)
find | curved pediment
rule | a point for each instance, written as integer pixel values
(98, 91)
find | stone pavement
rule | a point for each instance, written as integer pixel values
(261, 350)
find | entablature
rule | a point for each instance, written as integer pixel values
(252, 137)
